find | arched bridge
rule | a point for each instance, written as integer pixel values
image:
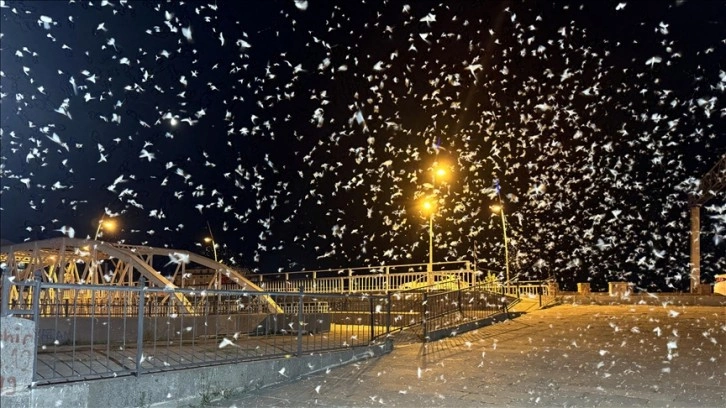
(91, 262)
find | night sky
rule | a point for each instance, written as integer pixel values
(304, 132)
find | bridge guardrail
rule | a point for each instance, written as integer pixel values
(108, 337)
(445, 309)
(131, 330)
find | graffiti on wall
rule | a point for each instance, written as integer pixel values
(17, 353)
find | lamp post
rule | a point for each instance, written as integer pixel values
(210, 240)
(104, 224)
(498, 208)
(217, 275)
(429, 207)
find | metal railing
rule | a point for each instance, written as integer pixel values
(521, 288)
(439, 310)
(122, 330)
(113, 331)
(375, 279)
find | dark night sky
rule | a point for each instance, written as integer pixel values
(306, 130)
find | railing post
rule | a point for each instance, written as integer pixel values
(388, 313)
(388, 276)
(459, 284)
(300, 320)
(36, 300)
(140, 326)
(36, 318)
(5, 306)
(372, 325)
(424, 312)
(504, 297)
(539, 289)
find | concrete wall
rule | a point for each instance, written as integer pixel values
(191, 387)
(659, 299)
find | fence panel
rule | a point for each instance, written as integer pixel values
(100, 331)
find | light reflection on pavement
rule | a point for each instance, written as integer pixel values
(568, 355)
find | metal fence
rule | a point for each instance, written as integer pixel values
(430, 311)
(392, 278)
(372, 279)
(117, 330)
(98, 331)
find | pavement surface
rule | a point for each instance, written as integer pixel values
(564, 356)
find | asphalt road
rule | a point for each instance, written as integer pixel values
(564, 356)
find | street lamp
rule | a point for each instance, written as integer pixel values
(498, 208)
(210, 240)
(438, 171)
(428, 207)
(108, 225)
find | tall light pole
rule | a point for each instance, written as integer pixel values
(217, 275)
(439, 171)
(210, 239)
(104, 224)
(499, 208)
(429, 207)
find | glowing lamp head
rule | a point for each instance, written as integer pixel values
(428, 207)
(440, 170)
(109, 225)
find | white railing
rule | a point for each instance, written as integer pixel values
(388, 278)
(520, 289)
(378, 279)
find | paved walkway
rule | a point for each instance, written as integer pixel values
(566, 356)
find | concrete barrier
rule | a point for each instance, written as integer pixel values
(659, 299)
(195, 386)
(619, 288)
(17, 352)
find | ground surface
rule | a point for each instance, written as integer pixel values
(568, 355)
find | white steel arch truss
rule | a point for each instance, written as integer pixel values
(85, 261)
